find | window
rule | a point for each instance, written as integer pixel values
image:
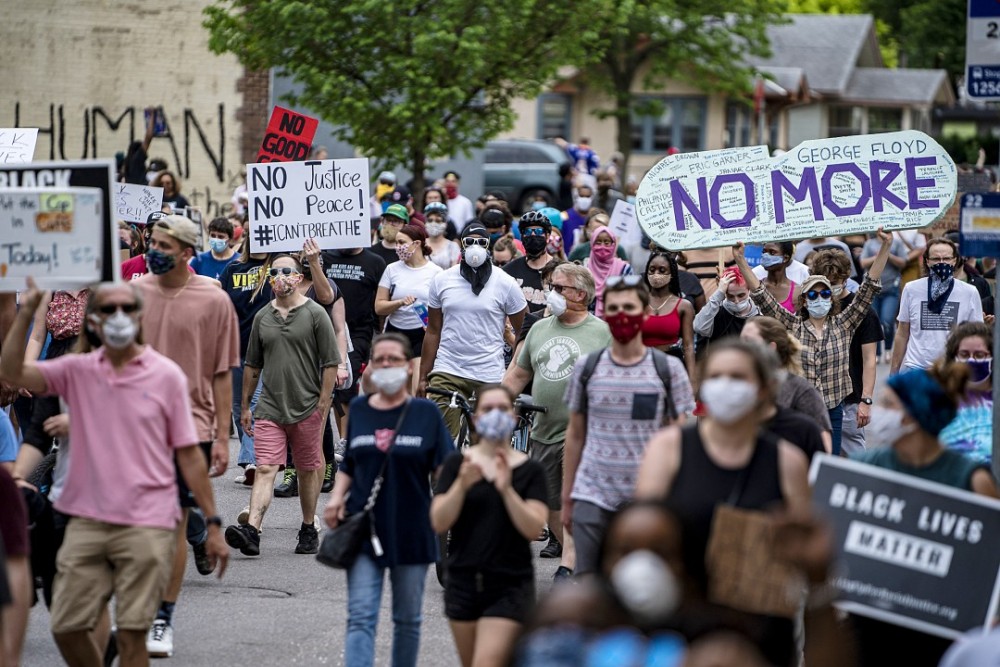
(554, 112)
(679, 124)
(737, 125)
(845, 121)
(500, 153)
(884, 120)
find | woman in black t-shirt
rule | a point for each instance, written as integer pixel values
(492, 499)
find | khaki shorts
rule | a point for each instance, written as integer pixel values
(99, 559)
(550, 456)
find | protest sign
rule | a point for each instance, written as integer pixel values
(134, 203)
(325, 200)
(17, 145)
(80, 174)
(914, 553)
(52, 235)
(624, 224)
(289, 136)
(826, 187)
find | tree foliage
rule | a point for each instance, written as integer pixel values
(649, 42)
(887, 42)
(930, 33)
(410, 80)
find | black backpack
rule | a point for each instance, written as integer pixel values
(660, 361)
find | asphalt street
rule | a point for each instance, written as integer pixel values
(276, 609)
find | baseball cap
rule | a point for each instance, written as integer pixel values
(387, 177)
(492, 218)
(397, 211)
(181, 228)
(400, 194)
(155, 217)
(814, 280)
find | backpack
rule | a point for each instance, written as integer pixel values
(660, 361)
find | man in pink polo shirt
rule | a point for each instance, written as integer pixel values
(131, 416)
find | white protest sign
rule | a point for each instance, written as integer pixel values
(325, 200)
(17, 145)
(53, 235)
(826, 187)
(134, 203)
(623, 223)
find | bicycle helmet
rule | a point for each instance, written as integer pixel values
(534, 219)
(436, 207)
(554, 216)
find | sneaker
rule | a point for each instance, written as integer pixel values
(308, 540)
(289, 487)
(327, 479)
(563, 575)
(249, 474)
(553, 549)
(201, 560)
(338, 449)
(245, 538)
(160, 640)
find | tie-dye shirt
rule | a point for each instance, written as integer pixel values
(971, 432)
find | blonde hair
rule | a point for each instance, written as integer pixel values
(787, 346)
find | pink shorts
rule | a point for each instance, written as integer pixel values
(271, 440)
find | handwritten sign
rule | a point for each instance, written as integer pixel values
(134, 203)
(52, 235)
(624, 224)
(826, 187)
(98, 174)
(325, 200)
(289, 136)
(913, 553)
(17, 145)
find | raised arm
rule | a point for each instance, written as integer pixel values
(764, 299)
(739, 254)
(875, 273)
(13, 367)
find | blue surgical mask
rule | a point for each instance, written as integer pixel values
(767, 261)
(538, 206)
(218, 245)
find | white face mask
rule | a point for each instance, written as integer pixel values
(727, 399)
(476, 256)
(886, 427)
(496, 425)
(819, 307)
(435, 228)
(556, 302)
(646, 586)
(837, 290)
(118, 331)
(739, 308)
(390, 380)
(583, 203)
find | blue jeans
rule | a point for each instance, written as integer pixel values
(364, 596)
(837, 422)
(246, 455)
(886, 305)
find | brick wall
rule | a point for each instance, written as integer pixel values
(254, 86)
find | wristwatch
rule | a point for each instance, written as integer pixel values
(215, 520)
(866, 401)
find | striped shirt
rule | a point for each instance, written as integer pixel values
(624, 410)
(825, 357)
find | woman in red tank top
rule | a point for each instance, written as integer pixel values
(670, 323)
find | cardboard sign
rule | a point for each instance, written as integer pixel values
(624, 224)
(17, 145)
(914, 553)
(98, 174)
(134, 203)
(52, 235)
(288, 138)
(827, 187)
(325, 200)
(979, 224)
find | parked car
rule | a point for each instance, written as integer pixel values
(522, 168)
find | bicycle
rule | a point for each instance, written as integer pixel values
(466, 405)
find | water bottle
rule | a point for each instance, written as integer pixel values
(421, 310)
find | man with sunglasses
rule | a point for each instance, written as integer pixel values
(467, 310)
(192, 322)
(131, 420)
(527, 270)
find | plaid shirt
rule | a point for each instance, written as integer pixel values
(826, 357)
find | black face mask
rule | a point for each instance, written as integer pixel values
(534, 246)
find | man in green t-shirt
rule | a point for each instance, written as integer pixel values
(547, 357)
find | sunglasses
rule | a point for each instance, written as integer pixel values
(629, 281)
(533, 231)
(475, 240)
(559, 288)
(283, 271)
(112, 308)
(812, 294)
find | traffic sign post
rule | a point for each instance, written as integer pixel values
(982, 50)
(979, 236)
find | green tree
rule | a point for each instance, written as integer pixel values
(930, 33)
(411, 80)
(886, 34)
(649, 42)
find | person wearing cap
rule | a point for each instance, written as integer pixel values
(823, 329)
(136, 267)
(467, 310)
(393, 219)
(460, 208)
(444, 252)
(192, 322)
(527, 270)
(386, 183)
(905, 426)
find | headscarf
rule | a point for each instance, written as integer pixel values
(602, 270)
(476, 277)
(924, 399)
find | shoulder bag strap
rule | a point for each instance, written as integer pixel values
(377, 485)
